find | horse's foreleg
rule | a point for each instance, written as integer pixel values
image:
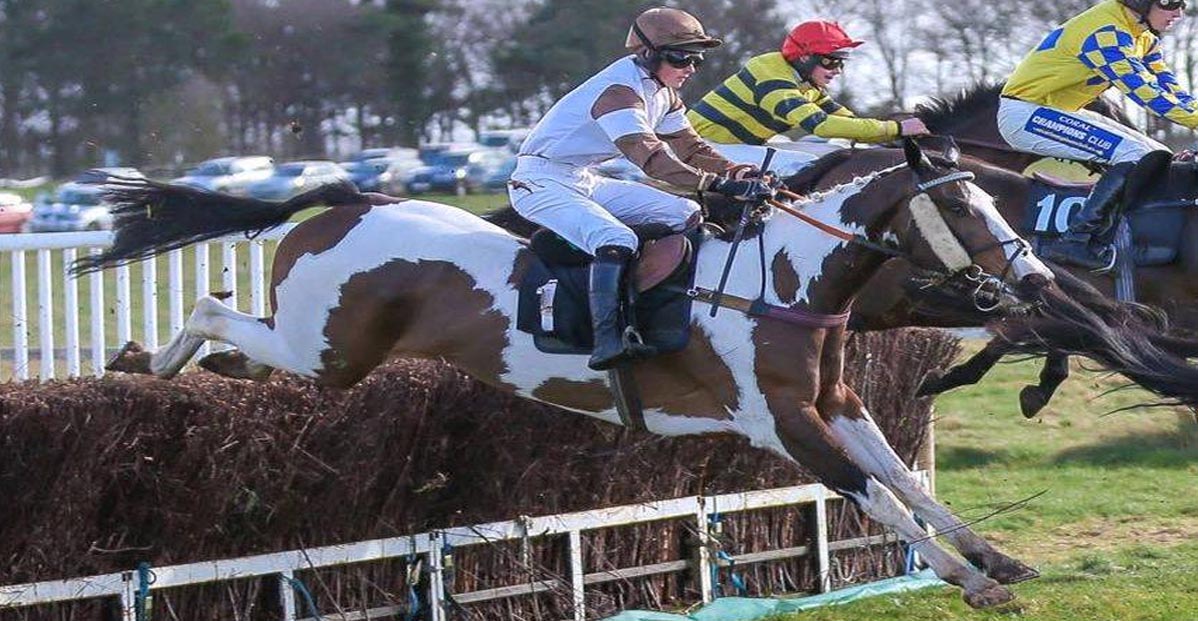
(810, 442)
(1032, 399)
(854, 429)
(968, 372)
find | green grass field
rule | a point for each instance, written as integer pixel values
(1115, 533)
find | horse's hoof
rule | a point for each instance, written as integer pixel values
(930, 386)
(1031, 401)
(989, 597)
(132, 358)
(1011, 571)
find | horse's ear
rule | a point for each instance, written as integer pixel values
(915, 156)
(952, 152)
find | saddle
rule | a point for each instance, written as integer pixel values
(1057, 194)
(553, 294)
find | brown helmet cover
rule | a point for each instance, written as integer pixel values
(663, 27)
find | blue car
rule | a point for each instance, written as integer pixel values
(458, 172)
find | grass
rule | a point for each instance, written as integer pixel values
(1114, 531)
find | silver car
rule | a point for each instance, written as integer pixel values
(231, 175)
(79, 205)
(295, 177)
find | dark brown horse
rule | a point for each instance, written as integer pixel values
(360, 283)
(900, 296)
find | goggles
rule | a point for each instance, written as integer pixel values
(1171, 5)
(832, 63)
(682, 58)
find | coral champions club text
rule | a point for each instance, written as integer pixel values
(1072, 128)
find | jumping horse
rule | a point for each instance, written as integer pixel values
(362, 282)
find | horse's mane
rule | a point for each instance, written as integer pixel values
(943, 115)
(806, 180)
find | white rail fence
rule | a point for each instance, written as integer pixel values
(69, 334)
(430, 548)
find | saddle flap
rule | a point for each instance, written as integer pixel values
(659, 259)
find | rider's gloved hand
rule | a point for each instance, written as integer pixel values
(912, 127)
(742, 189)
(743, 171)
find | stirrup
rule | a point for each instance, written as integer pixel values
(1111, 250)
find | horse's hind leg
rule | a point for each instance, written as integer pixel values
(260, 347)
(854, 429)
(1032, 399)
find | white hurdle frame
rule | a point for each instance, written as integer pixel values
(53, 284)
(284, 565)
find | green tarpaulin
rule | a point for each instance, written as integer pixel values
(751, 608)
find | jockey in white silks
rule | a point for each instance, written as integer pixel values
(780, 91)
(631, 108)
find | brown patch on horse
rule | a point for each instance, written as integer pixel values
(313, 236)
(786, 279)
(694, 382)
(408, 308)
(589, 396)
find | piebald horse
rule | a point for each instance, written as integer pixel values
(362, 282)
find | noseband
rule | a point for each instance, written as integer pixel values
(985, 289)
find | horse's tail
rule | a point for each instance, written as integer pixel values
(150, 217)
(1125, 347)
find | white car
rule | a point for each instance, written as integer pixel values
(79, 205)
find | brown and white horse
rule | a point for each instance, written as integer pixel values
(360, 283)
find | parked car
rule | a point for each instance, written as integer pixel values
(497, 179)
(509, 139)
(383, 174)
(15, 211)
(376, 153)
(295, 177)
(228, 174)
(459, 172)
(79, 205)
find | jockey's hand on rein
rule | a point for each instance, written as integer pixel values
(748, 190)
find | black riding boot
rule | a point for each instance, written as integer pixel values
(1083, 244)
(612, 346)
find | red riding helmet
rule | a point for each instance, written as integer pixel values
(817, 37)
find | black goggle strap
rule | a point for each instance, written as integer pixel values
(640, 34)
(681, 57)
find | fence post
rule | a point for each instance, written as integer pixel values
(149, 303)
(436, 578)
(823, 559)
(287, 595)
(703, 557)
(70, 287)
(45, 314)
(20, 317)
(576, 576)
(99, 354)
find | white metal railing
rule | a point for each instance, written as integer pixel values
(110, 306)
(431, 546)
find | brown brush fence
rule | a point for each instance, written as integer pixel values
(99, 475)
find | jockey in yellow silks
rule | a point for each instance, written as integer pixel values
(779, 91)
(1115, 43)
(631, 108)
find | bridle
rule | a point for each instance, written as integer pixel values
(986, 289)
